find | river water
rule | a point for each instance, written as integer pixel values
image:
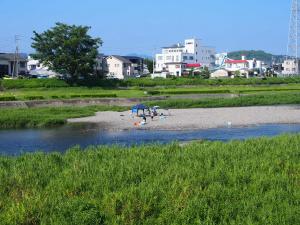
(14, 142)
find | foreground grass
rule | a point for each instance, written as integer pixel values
(251, 182)
(47, 117)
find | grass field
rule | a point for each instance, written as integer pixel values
(85, 92)
(47, 117)
(251, 182)
(145, 82)
(249, 100)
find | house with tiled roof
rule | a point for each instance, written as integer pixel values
(119, 67)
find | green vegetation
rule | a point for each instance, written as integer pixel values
(251, 100)
(53, 116)
(145, 82)
(251, 182)
(259, 55)
(67, 50)
(70, 92)
(33, 83)
(46, 93)
(47, 117)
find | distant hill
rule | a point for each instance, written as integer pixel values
(259, 55)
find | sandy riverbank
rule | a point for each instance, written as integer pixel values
(188, 119)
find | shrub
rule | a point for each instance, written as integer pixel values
(36, 97)
(75, 96)
(33, 83)
(8, 98)
(99, 96)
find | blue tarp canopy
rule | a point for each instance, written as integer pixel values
(137, 108)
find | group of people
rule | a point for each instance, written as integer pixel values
(152, 113)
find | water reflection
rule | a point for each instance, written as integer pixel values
(59, 139)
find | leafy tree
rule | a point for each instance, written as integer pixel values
(67, 50)
(237, 73)
(149, 63)
(205, 73)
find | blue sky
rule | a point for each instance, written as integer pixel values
(139, 26)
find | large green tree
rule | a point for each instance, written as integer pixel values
(67, 50)
(149, 63)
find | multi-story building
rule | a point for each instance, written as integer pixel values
(119, 67)
(291, 67)
(191, 52)
(12, 64)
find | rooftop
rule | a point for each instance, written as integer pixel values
(11, 56)
(175, 46)
(121, 58)
(231, 61)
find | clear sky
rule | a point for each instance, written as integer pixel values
(143, 26)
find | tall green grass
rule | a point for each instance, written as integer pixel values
(33, 83)
(250, 100)
(144, 82)
(47, 117)
(253, 182)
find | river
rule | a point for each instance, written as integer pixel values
(15, 142)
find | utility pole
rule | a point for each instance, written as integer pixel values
(15, 72)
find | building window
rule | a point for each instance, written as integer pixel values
(191, 58)
(159, 58)
(22, 64)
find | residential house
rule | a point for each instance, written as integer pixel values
(137, 64)
(220, 73)
(101, 65)
(191, 52)
(37, 69)
(119, 67)
(243, 67)
(291, 67)
(12, 64)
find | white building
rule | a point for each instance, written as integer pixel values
(291, 67)
(244, 67)
(36, 68)
(220, 58)
(191, 52)
(119, 67)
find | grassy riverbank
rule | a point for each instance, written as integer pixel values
(137, 92)
(250, 100)
(145, 82)
(47, 89)
(47, 117)
(251, 182)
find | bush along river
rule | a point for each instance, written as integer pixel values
(15, 142)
